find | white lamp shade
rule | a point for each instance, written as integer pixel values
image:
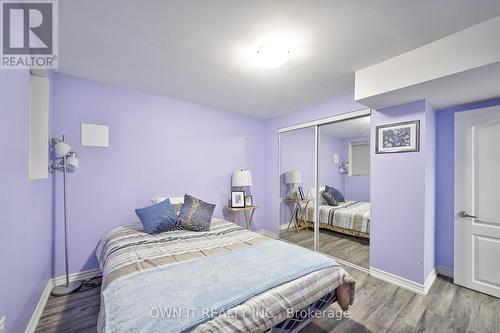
(61, 148)
(72, 161)
(293, 177)
(242, 178)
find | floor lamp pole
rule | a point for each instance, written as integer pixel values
(65, 176)
(69, 287)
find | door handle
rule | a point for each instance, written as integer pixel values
(465, 215)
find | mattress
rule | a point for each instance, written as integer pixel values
(351, 215)
(126, 252)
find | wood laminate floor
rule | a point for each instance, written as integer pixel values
(349, 248)
(378, 307)
(383, 307)
(77, 312)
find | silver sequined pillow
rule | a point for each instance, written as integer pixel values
(195, 215)
(329, 198)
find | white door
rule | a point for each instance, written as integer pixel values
(477, 200)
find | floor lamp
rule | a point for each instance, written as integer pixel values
(66, 160)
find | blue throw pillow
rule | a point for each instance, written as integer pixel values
(339, 197)
(158, 218)
(195, 215)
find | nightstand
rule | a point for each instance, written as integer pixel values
(297, 208)
(247, 211)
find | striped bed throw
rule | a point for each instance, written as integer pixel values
(353, 215)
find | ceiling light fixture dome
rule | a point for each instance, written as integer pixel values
(273, 55)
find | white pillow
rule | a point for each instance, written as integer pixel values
(173, 200)
(311, 195)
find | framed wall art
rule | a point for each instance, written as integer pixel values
(398, 137)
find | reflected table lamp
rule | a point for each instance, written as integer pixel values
(293, 177)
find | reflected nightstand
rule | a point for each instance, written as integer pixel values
(297, 208)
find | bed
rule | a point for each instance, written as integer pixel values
(349, 217)
(227, 279)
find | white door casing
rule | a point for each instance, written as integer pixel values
(477, 193)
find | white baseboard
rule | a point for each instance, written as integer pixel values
(430, 280)
(76, 276)
(405, 283)
(444, 271)
(35, 318)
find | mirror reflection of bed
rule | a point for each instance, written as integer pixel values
(344, 192)
(344, 231)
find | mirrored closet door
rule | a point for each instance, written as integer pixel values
(344, 197)
(324, 187)
(297, 178)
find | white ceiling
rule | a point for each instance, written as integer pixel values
(348, 129)
(195, 50)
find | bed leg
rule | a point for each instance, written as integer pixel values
(344, 296)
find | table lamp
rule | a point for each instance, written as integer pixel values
(293, 177)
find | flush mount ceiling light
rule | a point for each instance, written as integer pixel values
(270, 51)
(273, 55)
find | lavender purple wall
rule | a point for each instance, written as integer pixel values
(430, 189)
(357, 188)
(445, 139)
(328, 170)
(398, 197)
(158, 147)
(445, 187)
(339, 105)
(297, 153)
(25, 238)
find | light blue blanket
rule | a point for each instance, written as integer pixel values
(178, 297)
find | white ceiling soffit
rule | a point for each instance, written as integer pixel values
(348, 129)
(457, 69)
(199, 51)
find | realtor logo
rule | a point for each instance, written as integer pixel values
(29, 34)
